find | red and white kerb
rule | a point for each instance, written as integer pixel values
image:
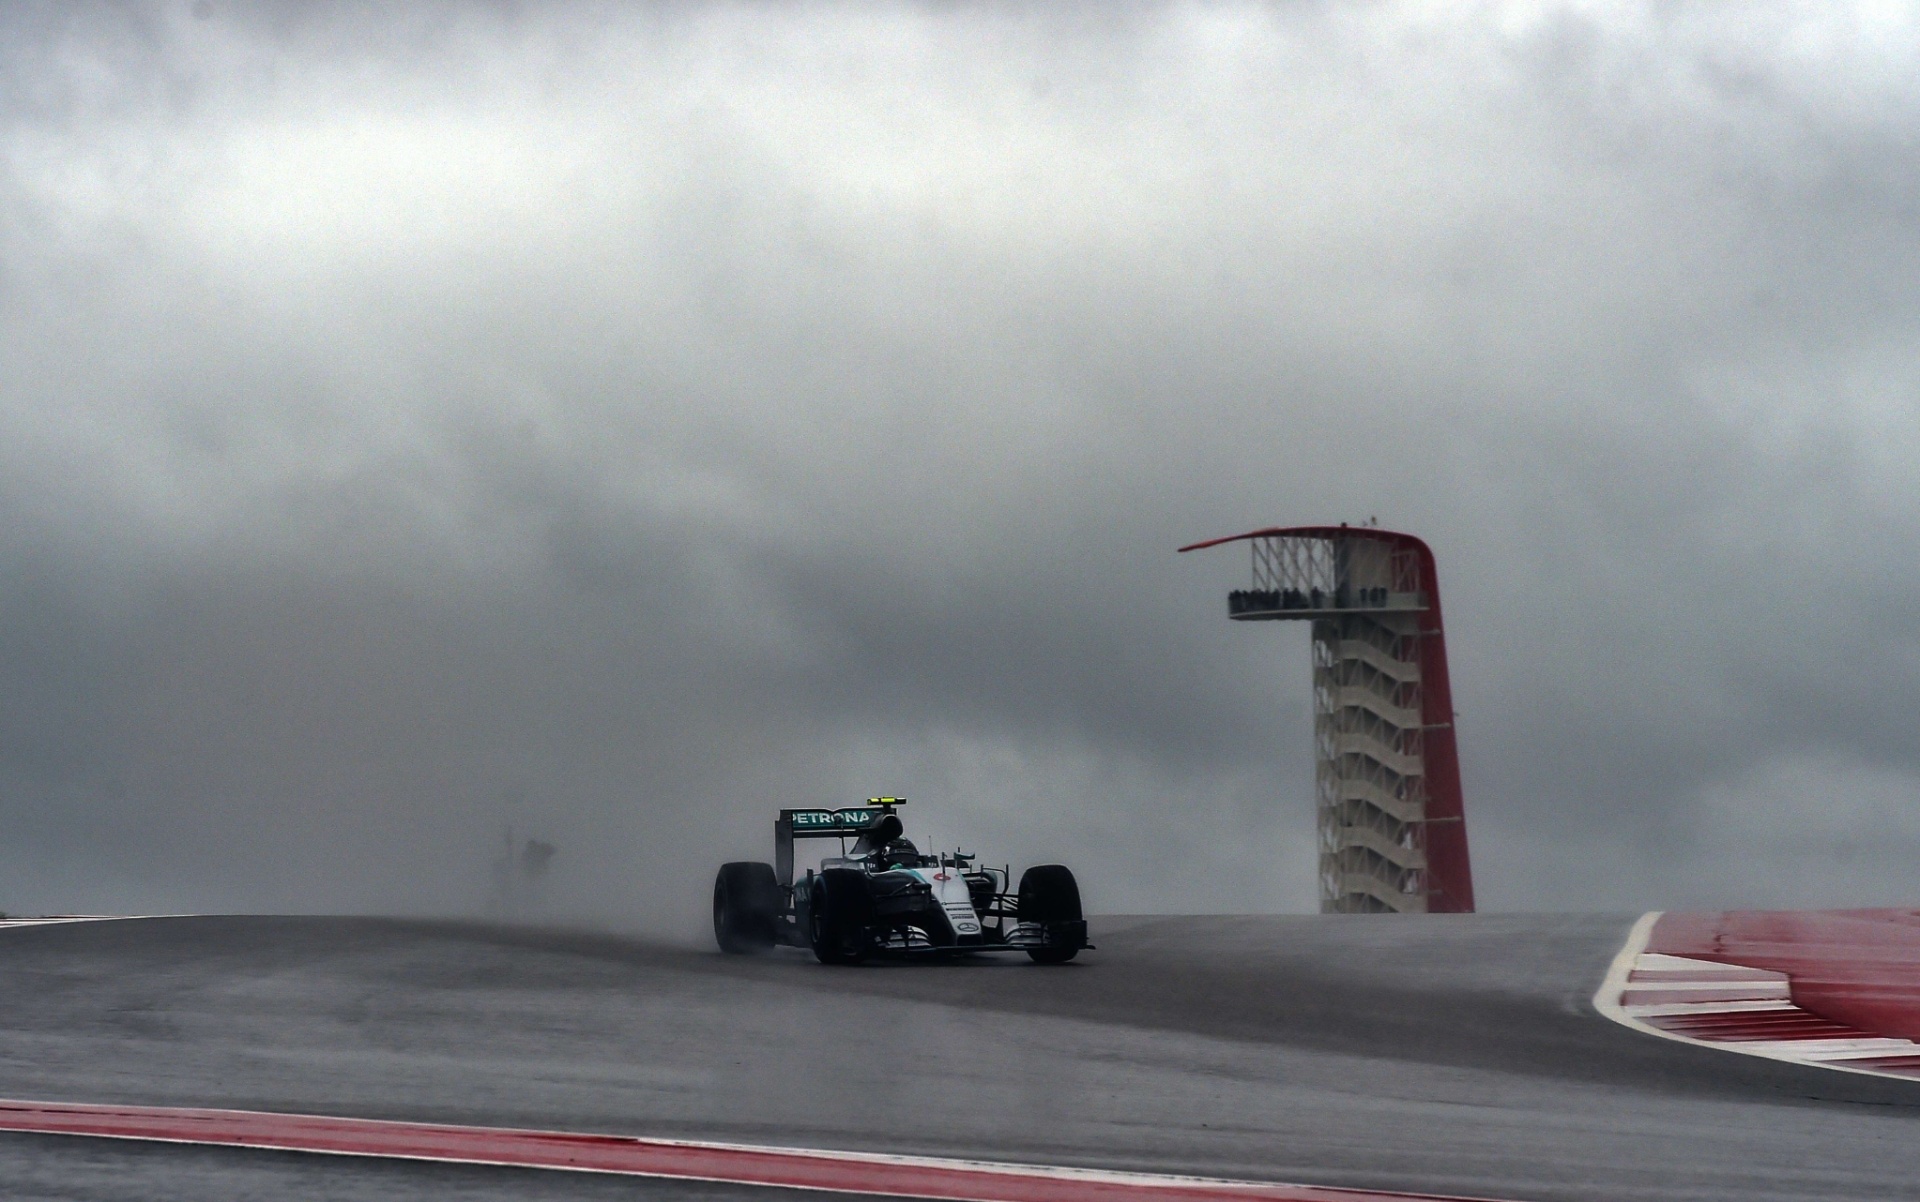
(1738, 1008)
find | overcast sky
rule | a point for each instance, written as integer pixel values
(621, 422)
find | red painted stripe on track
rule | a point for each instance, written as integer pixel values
(798, 1168)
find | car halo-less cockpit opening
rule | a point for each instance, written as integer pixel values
(882, 896)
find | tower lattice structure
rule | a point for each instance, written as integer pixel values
(1391, 821)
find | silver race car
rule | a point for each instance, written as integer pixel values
(882, 896)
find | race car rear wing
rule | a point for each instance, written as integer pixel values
(823, 824)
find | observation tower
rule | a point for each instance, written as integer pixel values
(1393, 833)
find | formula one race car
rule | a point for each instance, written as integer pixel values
(882, 896)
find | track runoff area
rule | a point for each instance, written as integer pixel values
(1324, 1059)
(1836, 990)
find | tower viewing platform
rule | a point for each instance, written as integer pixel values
(1392, 823)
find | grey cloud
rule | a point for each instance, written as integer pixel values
(620, 422)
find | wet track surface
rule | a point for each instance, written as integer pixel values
(1455, 1054)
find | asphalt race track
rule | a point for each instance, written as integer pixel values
(1447, 1054)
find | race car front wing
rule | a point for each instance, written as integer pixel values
(1020, 938)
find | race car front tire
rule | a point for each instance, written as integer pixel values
(746, 905)
(1049, 895)
(837, 916)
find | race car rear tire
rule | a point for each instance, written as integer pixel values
(746, 905)
(1049, 894)
(837, 917)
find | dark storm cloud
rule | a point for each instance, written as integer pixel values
(620, 422)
